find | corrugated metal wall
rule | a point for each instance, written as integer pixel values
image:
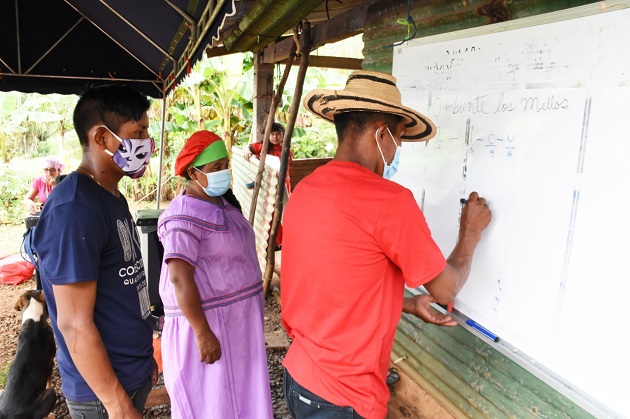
(244, 172)
(466, 375)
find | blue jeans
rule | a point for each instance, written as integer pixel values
(96, 410)
(303, 404)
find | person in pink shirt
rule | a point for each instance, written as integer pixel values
(42, 185)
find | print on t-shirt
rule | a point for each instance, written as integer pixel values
(130, 242)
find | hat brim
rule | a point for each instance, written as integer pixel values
(328, 103)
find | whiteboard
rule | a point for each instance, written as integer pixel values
(537, 120)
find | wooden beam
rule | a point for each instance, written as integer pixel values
(343, 63)
(217, 51)
(263, 94)
(340, 27)
(263, 154)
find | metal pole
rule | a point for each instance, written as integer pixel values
(159, 185)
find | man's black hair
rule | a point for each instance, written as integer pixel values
(110, 105)
(347, 122)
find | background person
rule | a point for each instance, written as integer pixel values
(275, 149)
(94, 282)
(213, 343)
(275, 144)
(353, 239)
(42, 185)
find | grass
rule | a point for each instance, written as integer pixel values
(4, 371)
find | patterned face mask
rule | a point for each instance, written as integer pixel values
(133, 155)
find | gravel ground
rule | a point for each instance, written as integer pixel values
(10, 323)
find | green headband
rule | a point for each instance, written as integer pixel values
(215, 151)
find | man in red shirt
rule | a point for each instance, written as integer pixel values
(352, 240)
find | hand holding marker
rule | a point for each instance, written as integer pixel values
(470, 322)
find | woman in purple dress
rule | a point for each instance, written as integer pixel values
(213, 343)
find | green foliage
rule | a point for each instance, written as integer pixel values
(217, 95)
(13, 187)
(26, 120)
(43, 148)
(319, 140)
(242, 137)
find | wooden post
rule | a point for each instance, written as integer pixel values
(305, 47)
(263, 154)
(263, 92)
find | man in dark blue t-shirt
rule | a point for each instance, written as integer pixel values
(90, 263)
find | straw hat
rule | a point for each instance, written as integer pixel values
(370, 91)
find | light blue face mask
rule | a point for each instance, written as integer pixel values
(218, 182)
(389, 170)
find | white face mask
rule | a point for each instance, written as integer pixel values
(389, 170)
(218, 182)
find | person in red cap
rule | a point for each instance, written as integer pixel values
(213, 343)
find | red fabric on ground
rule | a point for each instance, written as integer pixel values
(15, 270)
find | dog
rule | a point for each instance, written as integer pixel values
(28, 393)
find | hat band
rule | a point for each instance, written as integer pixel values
(215, 151)
(363, 104)
(370, 77)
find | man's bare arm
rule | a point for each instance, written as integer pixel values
(75, 320)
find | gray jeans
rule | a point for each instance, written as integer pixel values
(96, 410)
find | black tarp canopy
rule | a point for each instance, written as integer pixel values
(61, 46)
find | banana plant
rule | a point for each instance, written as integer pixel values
(218, 95)
(8, 103)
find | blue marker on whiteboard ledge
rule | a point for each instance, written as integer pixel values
(479, 328)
